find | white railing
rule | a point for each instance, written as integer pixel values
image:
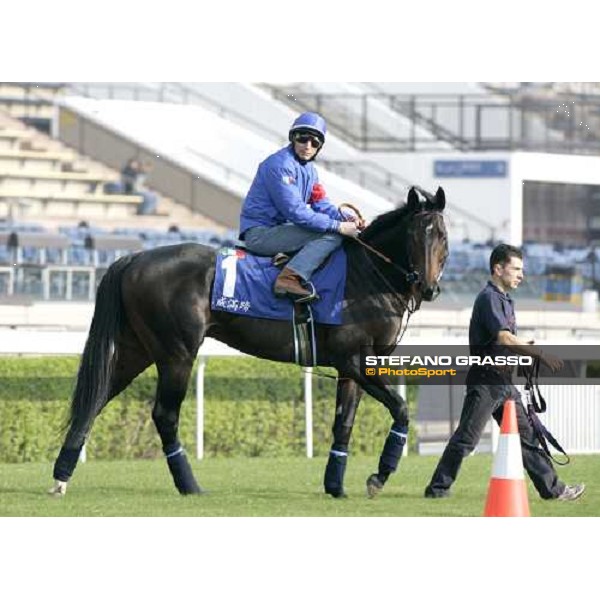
(9, 289)
(49, 281)
(573, 416)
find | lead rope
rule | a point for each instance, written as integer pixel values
(537, 404)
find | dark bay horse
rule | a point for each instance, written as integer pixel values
(154, 307)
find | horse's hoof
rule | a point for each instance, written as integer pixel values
(374, 486)
(58, 490)
(197, 491)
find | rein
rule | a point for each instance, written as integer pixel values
(411, 276)
(410, 307)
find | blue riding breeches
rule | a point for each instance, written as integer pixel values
(314, 247)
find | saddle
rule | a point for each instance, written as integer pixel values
(243, 285)
(303, 322)
(280, 260)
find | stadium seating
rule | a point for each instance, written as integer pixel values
(32, 103)
(94, 246)
(68, 265)
(43, 179)
(42, 176)
(73, 204)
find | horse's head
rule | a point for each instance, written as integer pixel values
(427, 241)
(414, 238)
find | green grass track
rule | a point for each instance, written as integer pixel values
(270, 487)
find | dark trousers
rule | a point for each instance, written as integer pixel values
(484, 399)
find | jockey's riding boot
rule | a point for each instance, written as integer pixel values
(289, 283)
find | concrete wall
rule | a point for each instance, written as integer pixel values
(485, 198)
(199, 144)
(168, 177)
(498, 201)
(430, 325)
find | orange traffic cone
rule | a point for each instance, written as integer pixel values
(507, 493)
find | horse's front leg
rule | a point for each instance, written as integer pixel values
(397, 436)
(347, 399)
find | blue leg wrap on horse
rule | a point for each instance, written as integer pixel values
(66, 462)
(181, 471)
(334, 472)
(392, 450)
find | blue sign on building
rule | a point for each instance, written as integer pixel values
(471, 168)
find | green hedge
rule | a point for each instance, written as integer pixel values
(252, 408)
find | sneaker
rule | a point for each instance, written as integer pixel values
(572, 492)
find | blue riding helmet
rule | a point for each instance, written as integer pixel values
(310, 121)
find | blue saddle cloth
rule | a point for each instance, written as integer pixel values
(244, 285)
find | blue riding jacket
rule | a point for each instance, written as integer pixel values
(281, 192)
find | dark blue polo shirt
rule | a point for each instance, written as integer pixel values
(493, 312)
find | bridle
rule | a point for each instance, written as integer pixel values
(411, 306)
(411, 277)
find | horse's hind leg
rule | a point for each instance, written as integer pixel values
(347, 399)
(132, 360)
(172, 385)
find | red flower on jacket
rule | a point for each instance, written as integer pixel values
(318, 193)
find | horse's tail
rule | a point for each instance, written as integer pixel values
(100, 353)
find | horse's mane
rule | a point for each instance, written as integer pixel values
(384, 222)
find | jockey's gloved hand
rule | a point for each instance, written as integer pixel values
(351, 215)
(348, 228)
(348, 215)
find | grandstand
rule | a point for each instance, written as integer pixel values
(62, 145)
(518, 164)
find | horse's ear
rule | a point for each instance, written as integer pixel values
(440, 199)
(413, 199)
(437, 202)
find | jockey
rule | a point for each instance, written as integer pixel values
(286, 210)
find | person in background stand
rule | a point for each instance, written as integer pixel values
(133, 181)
